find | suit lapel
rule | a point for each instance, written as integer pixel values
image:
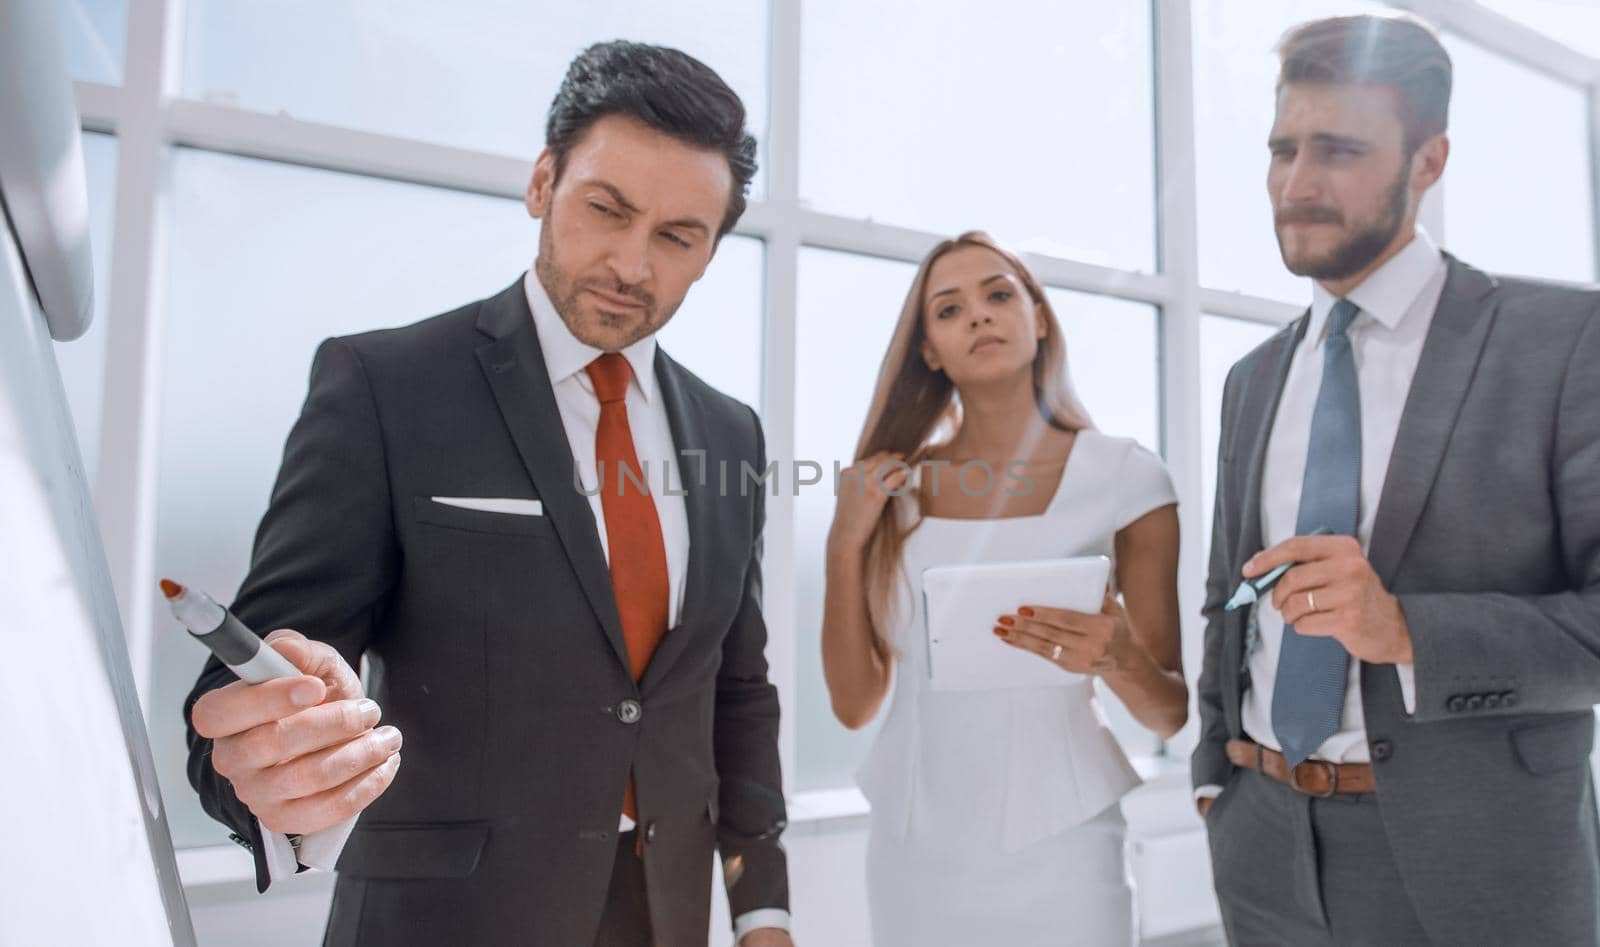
(514, 366)
(1449, 358)
(1257, 416)
(696, 457)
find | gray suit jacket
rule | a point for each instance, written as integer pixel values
(495, 646)
(1488, 531)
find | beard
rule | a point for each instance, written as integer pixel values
(1358, 250)
(601, 330)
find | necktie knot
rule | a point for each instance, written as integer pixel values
(1343, 313)
(610, 374)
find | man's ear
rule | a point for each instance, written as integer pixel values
(542, 185)
(1427, 165)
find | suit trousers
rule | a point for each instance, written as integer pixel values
(1293, 869)
(626, 921)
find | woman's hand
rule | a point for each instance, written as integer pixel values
(864, 489)
(1082, 642)
(855, 662)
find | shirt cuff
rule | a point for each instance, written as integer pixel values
(1408, 685)
(321, 849)
(281, 862)
(1208, 791)
(755, 920)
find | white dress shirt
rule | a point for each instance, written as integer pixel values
(1397, 304)
(565, 359)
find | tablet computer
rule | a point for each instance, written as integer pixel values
(961, 603)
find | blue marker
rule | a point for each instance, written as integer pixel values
(1250, 591)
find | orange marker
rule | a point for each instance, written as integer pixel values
(241, 649)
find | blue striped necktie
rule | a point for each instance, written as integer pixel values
(1308, 694)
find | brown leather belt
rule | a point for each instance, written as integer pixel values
(1313, 777)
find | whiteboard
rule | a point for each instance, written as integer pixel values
(88, 858)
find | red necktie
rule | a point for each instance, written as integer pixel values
(633, 530)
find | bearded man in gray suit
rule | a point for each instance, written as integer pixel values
(1394, 745)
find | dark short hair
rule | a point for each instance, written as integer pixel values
(1398, 51)
(664, 88)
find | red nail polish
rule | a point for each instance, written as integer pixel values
(1007, 620)
(1001, 632)
(1025, 612)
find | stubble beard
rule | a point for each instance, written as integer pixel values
(1362, 247)
(591, 326)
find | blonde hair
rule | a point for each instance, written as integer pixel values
(912, 404)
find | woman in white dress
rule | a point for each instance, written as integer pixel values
(995, 816)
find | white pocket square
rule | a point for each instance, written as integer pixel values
(509, 505)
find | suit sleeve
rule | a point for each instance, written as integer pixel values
(1209, 764)
(325, 553)
(752, 814)
(1548, 645)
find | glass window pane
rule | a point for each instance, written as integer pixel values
(83, 360)
(92, 31)
(270, 259)
(1235, 72)
(1574, 22)
(1111, 347)
(841, 296)
(716, 333)
(1113, 355)
(1033, 121)
(478, 74)
(1223, 342)
(1509, 207)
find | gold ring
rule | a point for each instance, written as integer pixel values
(1311, 601)
(1055, 654)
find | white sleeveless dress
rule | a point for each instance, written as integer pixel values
(994, 813)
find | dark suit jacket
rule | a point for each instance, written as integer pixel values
(495, 646)
(1488, 531)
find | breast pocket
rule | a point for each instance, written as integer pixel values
(434, 513)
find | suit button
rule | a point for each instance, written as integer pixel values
(1382, 750)
(1491, 701)
(629, 711)
(1456, 704)
(1508, 700)
(650, 832)
(1475, 703)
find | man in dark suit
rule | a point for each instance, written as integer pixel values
(1394, 747)
(506, 510)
